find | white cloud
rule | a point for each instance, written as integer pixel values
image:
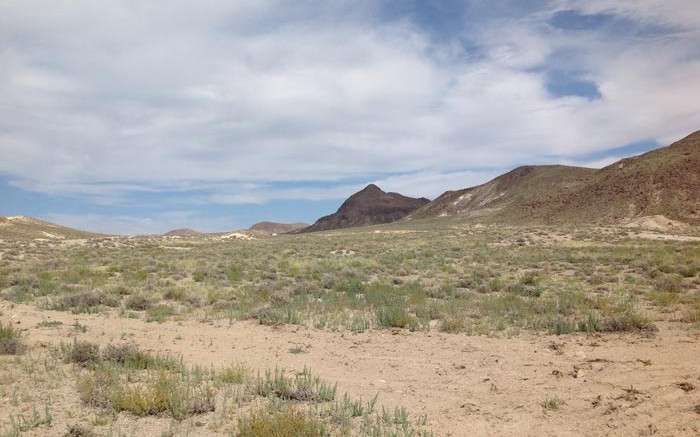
(107, 98)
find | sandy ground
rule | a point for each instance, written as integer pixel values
(609, 385)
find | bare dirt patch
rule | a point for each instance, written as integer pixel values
(612, 384)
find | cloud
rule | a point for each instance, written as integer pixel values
(104, 99)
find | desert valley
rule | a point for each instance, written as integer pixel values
(552, 300)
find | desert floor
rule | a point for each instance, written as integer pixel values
(608, 384)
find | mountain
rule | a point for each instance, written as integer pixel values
(663, 182)
(370, 206)
(525, 192)
(26, 228)
(278, 228)
(186, 232)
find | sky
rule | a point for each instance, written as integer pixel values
(132, 117)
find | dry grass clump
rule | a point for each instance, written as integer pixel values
(11, 342)
(77, 430)
(289, 422)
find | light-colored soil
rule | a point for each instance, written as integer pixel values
(666, 237)
(608, 385)
(657, 223)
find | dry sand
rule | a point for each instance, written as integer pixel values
(609, 385)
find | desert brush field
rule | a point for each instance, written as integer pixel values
(425, 328)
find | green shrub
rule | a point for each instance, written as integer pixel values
(159, 313)
(395, 316)
(76, 430)
(199, 276)
(138, 303)
(626, 322)
(97, 387)
(688, 271)
(303, 387)
(235, 374)
(163, 393)
(86, 302)
(453, 324)
(530, 278)
(561, 325)
(11, 342)
(108, 386)
(669, 283)
(130, 357)
(692, 314)
(83, 353)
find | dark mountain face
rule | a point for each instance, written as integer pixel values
(370, 206)
(663, 182)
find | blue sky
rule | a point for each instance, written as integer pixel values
(140, 117)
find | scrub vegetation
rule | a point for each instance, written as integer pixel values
(439, 276)
(472, 280)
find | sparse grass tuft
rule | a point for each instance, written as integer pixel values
(552, 403)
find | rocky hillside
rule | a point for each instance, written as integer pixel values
(278, 228)
(370, 206)
(663, 182)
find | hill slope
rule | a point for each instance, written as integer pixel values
(278, 228)
(27, 228)
(664, 182)
(523, 192)
(185, 232)
(370, 206)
